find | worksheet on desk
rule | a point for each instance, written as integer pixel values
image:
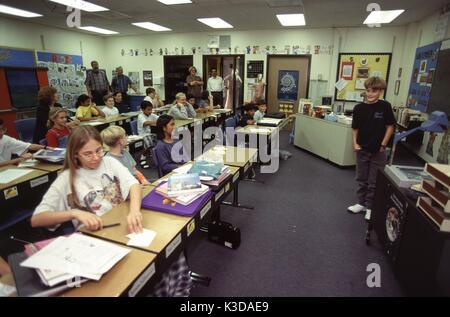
(12, 174)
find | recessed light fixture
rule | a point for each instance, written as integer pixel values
(172, 2)
(378, 17)
(216, 23)
(296, 19)
(18, 12)
(82, 5)
(97, 30)
(152, 26)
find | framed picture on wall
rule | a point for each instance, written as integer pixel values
(368, 64)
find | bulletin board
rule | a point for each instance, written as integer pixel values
(425, 63)
(355, 68)
(66, 73)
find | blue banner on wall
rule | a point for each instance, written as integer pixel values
(17, 58)
(60, 58)
(424, 68)
(288, 85)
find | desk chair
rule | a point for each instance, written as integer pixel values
(156, 162)
(25, 128)
(134, 127)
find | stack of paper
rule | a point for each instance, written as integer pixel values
(77, 255)
(11, 174)
(184, 199)
(143, 239)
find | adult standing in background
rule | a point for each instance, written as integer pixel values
(97, 83)
(121, 83)
(215, 87)
(47, 99)
(194, 83)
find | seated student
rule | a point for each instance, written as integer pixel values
(86, 110)
(165, 126)
(153, 97)
(146, 120)
(247, 117)
(89, 186)
(182, 109)
(58, 133)
(109, 110)
(191, 100)
(262, 108)
(10, 146)
(206, 101)
(115, 137)
(119, 103)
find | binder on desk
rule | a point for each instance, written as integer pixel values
(154, 201)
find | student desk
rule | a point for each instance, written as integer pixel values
(102, 123)
(242, 158)
(127, 278)
(48, 167)
(20, 196)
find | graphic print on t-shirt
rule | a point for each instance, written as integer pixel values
(101, 201)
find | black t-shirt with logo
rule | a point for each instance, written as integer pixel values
(371, 121)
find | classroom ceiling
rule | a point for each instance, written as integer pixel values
(242, 14)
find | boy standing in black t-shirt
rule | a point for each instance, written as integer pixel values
(373, 126)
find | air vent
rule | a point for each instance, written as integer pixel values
(284, 3)
(111, 15)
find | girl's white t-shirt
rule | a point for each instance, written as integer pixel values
(110, 112)
(98, 190)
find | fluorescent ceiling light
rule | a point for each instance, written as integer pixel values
(97, 30)
(152, 26)
(297, 19)
(216, 23)
(18, 12)
(82, 5)
(171, 2)
(376, 17)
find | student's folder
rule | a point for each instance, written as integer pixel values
(154, 201)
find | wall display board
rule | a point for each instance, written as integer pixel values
(254, 68)
(10, 57)
(355, 68)
(425, 63)
(66, 73)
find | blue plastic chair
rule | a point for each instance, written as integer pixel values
(25, 128)
(134, 127)
(156, 162)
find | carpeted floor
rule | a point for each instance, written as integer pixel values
(298, 241)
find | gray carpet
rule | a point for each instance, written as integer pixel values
(299, 240)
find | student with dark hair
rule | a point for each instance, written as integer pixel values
(262, 108)
(145, 121)
(168, 162)
(120, 104)
(47, 99)
(153, 97)
(10, 146)
(86, 110)
(247, 117)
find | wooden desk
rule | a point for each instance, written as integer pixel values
(234, 156)
(48, 167)
(127, 278)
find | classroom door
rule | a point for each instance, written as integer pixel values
(176, 69)
(283, 72)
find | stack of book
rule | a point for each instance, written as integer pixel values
(437, 205)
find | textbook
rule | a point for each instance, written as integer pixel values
(207, 168)
(183, 184)
(184, 199)
(54, 156)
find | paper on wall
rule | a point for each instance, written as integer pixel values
(340, 84)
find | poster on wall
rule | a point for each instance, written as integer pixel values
(17, 57)
(134, 76)
(425, 63)
(288, 85)
(148, 78)
(66, 73)
(356, 68)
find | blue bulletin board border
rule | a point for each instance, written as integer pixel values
(425, 63)
(14, 57)
(60, 58)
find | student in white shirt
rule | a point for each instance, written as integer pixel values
(153, 97)
(146, 120)
(262, 108)
(10, 146)
(90, 186)
(109, 110)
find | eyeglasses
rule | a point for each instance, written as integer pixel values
(90, 155)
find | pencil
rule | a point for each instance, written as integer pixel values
(111, 225)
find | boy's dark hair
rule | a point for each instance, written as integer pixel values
(205, 95)
(116, 93)
(106, 97)
(250, 107)
(162, 121)
(81, 99)
(150, 90)
(145, 104)
(260, 102)
(189, 96)
(375, 83)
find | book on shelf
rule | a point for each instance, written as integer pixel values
(435, 213)
(440, 172)
(183, 184)
(183, 199)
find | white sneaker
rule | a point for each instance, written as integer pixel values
(356, 209)
(368, 214)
